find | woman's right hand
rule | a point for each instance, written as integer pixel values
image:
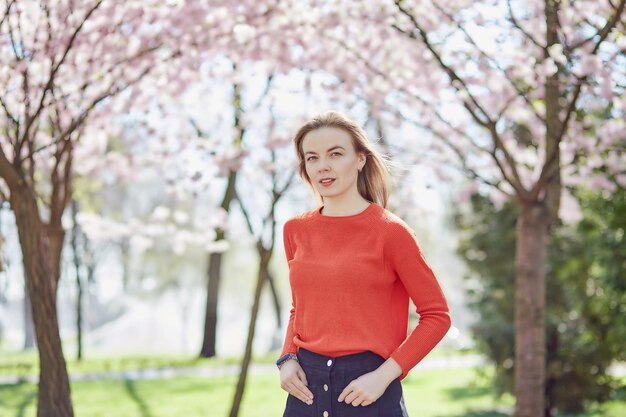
(293, 380)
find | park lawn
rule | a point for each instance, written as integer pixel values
(27, 364)
(440, 393)
(24, 364)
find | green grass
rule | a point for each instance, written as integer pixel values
(449, 393)
(26, 364)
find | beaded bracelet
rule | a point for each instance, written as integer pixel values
(281, 361)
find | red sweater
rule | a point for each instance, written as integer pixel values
(351, 278)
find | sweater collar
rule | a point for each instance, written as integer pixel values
(364, 213)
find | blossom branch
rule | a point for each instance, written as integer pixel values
(519, 27)
(603, 32)
(54, 69)
(490, 59)
(487, 123)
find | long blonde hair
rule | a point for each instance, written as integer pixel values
(374, 178)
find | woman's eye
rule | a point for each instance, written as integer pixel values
(332, 154)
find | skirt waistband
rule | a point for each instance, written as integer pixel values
(365, 360)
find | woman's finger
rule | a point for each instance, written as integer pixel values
(304, 389)
(298, 390)
(302, 377)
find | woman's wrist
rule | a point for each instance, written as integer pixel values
(389, 370)
(286, 357)
(282, 364)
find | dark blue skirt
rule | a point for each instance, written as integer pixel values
(327, 377)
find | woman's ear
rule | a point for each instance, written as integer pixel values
(362, 160)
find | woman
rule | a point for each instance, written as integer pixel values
(352, 267)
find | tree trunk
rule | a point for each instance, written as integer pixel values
(530, 304)
(125, 255)
(215, 259)
(29, 330)
(275, 299)
(278, 338)
(79, 285)
(38, 257)
(210, 316)
(552, 349)
(554, 108)
(261, 278)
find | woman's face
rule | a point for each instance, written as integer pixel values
(329, 154)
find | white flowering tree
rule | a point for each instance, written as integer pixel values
(62, 63)
(510, 92)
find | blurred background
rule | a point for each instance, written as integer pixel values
(147, 169)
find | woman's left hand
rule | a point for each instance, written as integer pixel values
(364, 390)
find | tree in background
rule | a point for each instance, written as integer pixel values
(505, 106)
(502, 89)
(586, 296)
(62, 63)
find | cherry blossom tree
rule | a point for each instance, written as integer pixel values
(507, 92)
(63, 63)
(262, 225)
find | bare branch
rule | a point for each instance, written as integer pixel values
(55, 69)
(13, 43)
(603, 32)
(510, 101)
(448, 70)
(8, 172)
(461, 155)
(115, 66)
(26, 89)
(40, 149)
(549, 171)
(494, 62)
(280, 191)
(266, 90)
(451, 74)
(489, 124)
(7, 11)
(288, 183)
(276, 195)
(519, 27)
(110, 92)
(245, 213)
(10, 116)
(571, 106)
(199, 132)
(49, 26)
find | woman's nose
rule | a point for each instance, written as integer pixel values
(323, 165)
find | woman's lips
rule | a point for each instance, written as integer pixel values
(327, 183)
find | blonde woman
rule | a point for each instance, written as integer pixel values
(353, 265)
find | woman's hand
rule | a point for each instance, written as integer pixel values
(371, 386)
(364, 390)
(293, 380)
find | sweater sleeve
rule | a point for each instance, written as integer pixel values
(404, 255)
(289, 346)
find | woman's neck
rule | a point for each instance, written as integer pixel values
(348, 208)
